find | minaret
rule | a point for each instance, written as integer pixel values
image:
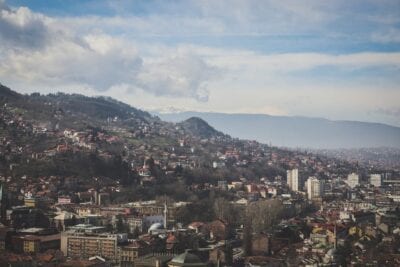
(335, 244)
(1, 204)
(165, 214)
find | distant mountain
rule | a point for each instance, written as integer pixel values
(297, 131)
(200, 128)
(78, 111)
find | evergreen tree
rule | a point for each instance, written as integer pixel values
(120, 225)
(136, 232)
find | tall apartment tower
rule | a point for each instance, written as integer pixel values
(293, 179)
(375, 180)
(315, 188)
(353, 180)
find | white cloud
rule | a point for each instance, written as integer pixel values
(182, 75)
(63, 57)
(21, 27)
(303, 61)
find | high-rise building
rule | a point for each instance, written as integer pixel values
(293, 179)
(376, 180)
(315, 188)
(353, 180)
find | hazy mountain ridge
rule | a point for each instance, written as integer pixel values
(297, 131)
(62, 109)
(76, 110)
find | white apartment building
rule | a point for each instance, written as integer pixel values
(353, 180)
(375, 180)
(315, 188)
(293, 179)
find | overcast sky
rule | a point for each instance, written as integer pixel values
(332, 59)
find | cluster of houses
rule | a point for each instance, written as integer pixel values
(334, 212)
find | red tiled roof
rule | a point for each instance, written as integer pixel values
(172, 239)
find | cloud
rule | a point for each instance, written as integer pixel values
(391, 35)
(41, 51)
(353, 22)
(21, 27)
(70, 63)
(391, 112)
(291, 62)
(104, 61)
(181, 75)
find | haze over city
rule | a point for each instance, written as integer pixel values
(332, 59)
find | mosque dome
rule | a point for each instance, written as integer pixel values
(187, 259)
(155, 227)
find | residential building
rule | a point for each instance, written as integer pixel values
(134, 223)
(27, 244)
(222, 185)
(33, 240)
(62, 200)
(353, 180)
(375, 180)
(293, 179)
(131, 251)
(315, 188)
(260, 245)
(85, 241)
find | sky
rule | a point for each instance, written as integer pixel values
(334, 59)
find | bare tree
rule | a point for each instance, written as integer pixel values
(264, 214)
(225, 210)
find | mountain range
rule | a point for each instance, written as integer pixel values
(297, 132)
(283, 131)
(80, 112)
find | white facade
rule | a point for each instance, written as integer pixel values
(315, 187)
(376, 180)
(353, 180)
(293, 179)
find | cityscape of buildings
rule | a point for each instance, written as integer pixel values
(197, 198)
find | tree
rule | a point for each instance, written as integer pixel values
(225, 210)
(109, 227)
(73, 220)
(120, 225)
(264, 214)
(247, 236)
(136, 232)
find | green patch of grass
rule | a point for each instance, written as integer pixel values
(17, 110)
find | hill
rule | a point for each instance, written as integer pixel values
(73, 110)
(71, 135)
(200, 128)
(298, 131)
(8, 94)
